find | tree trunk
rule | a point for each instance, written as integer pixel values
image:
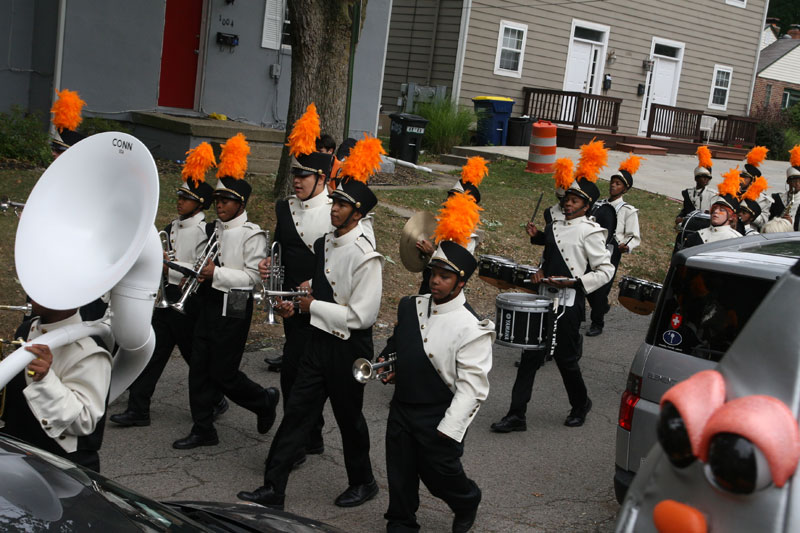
(321, 32)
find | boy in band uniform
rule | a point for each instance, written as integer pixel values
(787, 204)
(746, 179)
(723, 213)
(749, 209)
(222, 327)
(343, 307)
(699, 197)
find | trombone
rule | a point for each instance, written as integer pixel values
(27, 308)
(365, 370)
(210, 253)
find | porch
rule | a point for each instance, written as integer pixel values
(581, 117)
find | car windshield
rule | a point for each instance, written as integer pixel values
(783, 249)
(702, 312)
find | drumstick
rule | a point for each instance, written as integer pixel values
(536, 209)
(629, 240)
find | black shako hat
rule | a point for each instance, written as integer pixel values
(344, 149)
(455, 258)
(625, 176)
(357, 193)
(201, 192)
(728, 200)
(228, 187)
(751, 206)
(469, 188)
(750, 171)
(585, 189)
(61, 141)
(313, 163)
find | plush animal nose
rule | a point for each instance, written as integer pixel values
(670, 516)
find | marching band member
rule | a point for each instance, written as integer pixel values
(749, 210)
(186, 237)
(785, 205)
(223, 318)
(699, 197)
(66, 119)
(626, 237)
(301, 218)
(723, 213)
(444, 354)
(343, 307)
(746, 177)
(472, 175)
(575, 257)
(58, 402)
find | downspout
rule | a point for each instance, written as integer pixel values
(62, 21)
(758, 56)
(433, 40)
(354, 31)
(383, 68)
(455, 94)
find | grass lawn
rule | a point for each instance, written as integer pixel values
(508, 197)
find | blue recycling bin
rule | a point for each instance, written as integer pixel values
(493, 114)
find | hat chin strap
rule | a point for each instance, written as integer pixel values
(314, 188)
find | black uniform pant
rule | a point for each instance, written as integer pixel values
(414, 451)
(217, 350)
(325, 371)
(298, 331)
(598, 300)
(568, 351)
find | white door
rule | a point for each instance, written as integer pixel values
(661, 84)
(584, 65)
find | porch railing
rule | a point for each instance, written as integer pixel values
(682, 123)
(575, 109)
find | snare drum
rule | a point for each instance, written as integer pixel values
(522, 277)
(638, 295)
(524, 320)
(496, 270)
(694, 222)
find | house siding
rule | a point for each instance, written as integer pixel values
(630, 36)
(409, 46)
(786, 68)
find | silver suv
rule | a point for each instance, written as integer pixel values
(709, 294)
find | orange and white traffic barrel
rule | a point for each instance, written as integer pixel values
(542, 153)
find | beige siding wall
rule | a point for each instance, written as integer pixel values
(408, 54)
(713, 33)
(785, 69)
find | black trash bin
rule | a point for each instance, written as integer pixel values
(519, 131)
(406, 136)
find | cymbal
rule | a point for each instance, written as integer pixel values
(420, 226)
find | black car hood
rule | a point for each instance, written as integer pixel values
(251, 516)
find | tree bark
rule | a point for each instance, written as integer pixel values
(320, 38)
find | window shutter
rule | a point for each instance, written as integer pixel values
(273, 24)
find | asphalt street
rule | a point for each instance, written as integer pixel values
(548, 479)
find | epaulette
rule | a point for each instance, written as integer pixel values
(364, 245)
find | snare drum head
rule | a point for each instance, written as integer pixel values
(534, 303)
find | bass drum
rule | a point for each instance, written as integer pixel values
(524, 320)
(639, 296)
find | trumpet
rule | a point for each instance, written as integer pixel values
(5, 203)
(210, 253)
(365, 370)
(271, 291)
(161, 300)
(27, 308)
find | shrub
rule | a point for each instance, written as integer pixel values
(23, 138)
(448, 125)
(771, 132)
(93, 125)
(791, 139)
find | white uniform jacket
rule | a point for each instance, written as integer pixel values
(764, 202)
(582, 242)
(355, 272)
(366, 224)
(242, 245)
(555, 212)
(750, 230)
(701, 198)
(312, 218)
(71, 398)
(187, 239)
(717, 233)
(627, 224)
(460, 349)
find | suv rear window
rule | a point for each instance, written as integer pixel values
(702, 312)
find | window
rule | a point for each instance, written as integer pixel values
(510, 49)
(720, 87)
(737, 3)
(767, 94)
(790, 98)
(275, 31)
(666, 50)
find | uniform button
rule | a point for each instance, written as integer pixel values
(566, 259)
(439, 371)
(44, 422)
(301, 233)
(435, 312)
(430, 355)
(422, 326)
(44, 330)
(306, 206)
(472, 413)
(426, 339)
(310, 247)
(420, 314)
(221, 264)
(294, 213)
(327, 270)
(61, 437)
(296, 223)
(335, 294)
(333, 283)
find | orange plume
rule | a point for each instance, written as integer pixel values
(730, 185)
(306, 130)
(198, 160)
(67, 110)
(233, 159)
(364, 159)
(757, 155)
(475, 170)
(594, 156)
(794, 156)
(457, 219)
(704, 157)
(631, 164)
(755, 189)
(563, 173)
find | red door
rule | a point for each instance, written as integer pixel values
(179, 54)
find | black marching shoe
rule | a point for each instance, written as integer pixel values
(463, 521)
(355, 495)
(130, 418)
(267, 417)
(193, 440)
(594, 330)
(220, 408)
(510, 423)
(265, 496)
(577, 417)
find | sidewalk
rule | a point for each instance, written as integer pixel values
(661, 174)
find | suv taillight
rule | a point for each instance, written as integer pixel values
(629, 399)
